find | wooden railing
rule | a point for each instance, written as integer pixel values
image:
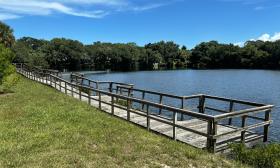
(95, 93)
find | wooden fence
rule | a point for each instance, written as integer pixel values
(91, 90)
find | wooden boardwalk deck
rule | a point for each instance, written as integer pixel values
(200, 128)
(182, 135)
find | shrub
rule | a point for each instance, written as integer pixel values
(7, 70)
(8, 83)
(260, 156)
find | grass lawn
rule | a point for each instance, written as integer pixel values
(40, 127)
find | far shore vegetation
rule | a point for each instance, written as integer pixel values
(72, 55)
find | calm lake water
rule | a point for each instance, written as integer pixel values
(253, 85)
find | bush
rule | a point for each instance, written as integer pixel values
(7, 71)
(6, 67)
(8, 83)
(261, 156)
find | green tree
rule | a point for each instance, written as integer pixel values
(6, 35)
(64, 53)
(6, 68)
(30, 51)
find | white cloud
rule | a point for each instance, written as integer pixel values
(264, 37)
(7, 16)
(268, 37)
(98, 2)
(147, 7)
(240, 44)
(15, 8)
(11, 9)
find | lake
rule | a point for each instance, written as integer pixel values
(253, 85)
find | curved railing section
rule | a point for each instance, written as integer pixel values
(212, 123)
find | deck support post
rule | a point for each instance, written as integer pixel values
(60, 85)
(80, 93)
(99, 102)
(201, 104)
(55, 83)
(97, 87)
(230, 110)
(174, 125)
(143, 98)
(244, 123)
(72, 90)
(211, 131)
(182, 107)
(117, 91)
(111, 87)
(160, 102)
(266, 127)
(128, 109)
(148, 118)
(129, 94)
(65, 87)
(89, 97)
(112, 105)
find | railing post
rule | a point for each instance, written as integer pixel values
(230, 110)
(182, 107)
(80, 93)
(266, 127)
(99, 97)
(72, 90)
(211, 131)
(143, 98)
(121, 91)
(60, 85)
(51, 82)
(97, 87)
(129, 94)
(148, 118)
(160, 102)
(128, 109)
(244, 123)
(112, 105)
(111, 87)
(65, 85)
(89, 97)
(71, 77)
(55, 79)
(174, 125)
(201, 104)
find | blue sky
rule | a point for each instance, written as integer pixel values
(186, 22)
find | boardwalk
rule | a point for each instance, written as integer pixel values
(195, 131)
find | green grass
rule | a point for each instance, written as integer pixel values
(40, 127)
(260, 156)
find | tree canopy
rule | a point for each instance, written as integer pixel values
(6, 57)
(61, 53)
(6, 35)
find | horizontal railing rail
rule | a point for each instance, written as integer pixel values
(213, 136)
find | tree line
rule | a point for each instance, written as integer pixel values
(61, 53)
